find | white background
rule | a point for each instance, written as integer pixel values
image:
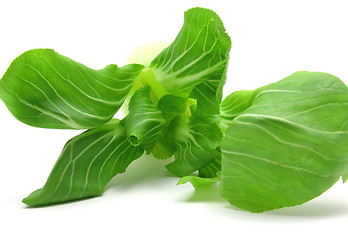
(270, 40)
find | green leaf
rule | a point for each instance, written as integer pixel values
(193, 70)
(214, 168)
(199, 54)
(165, 145)
(196, 144)
(208, 95)
(45, 89)
(171, 107)
(289, 146)
(144, 121)
(345, 177)
(198, 182)
(234, 104)
(87, 163)
(191, 138)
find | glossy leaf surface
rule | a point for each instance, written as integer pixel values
(199, 54)
(45, 89)
(87, 163)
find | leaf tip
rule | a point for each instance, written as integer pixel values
(32, 199)
(182, 180)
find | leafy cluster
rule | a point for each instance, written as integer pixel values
(279, 145)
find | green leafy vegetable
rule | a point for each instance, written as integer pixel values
(197, 59)
(198, 182)
(45, 89)
(87, 163)
(279, 145)
(197, 142)
(289, 145)
(144, 121)
(213, 169)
